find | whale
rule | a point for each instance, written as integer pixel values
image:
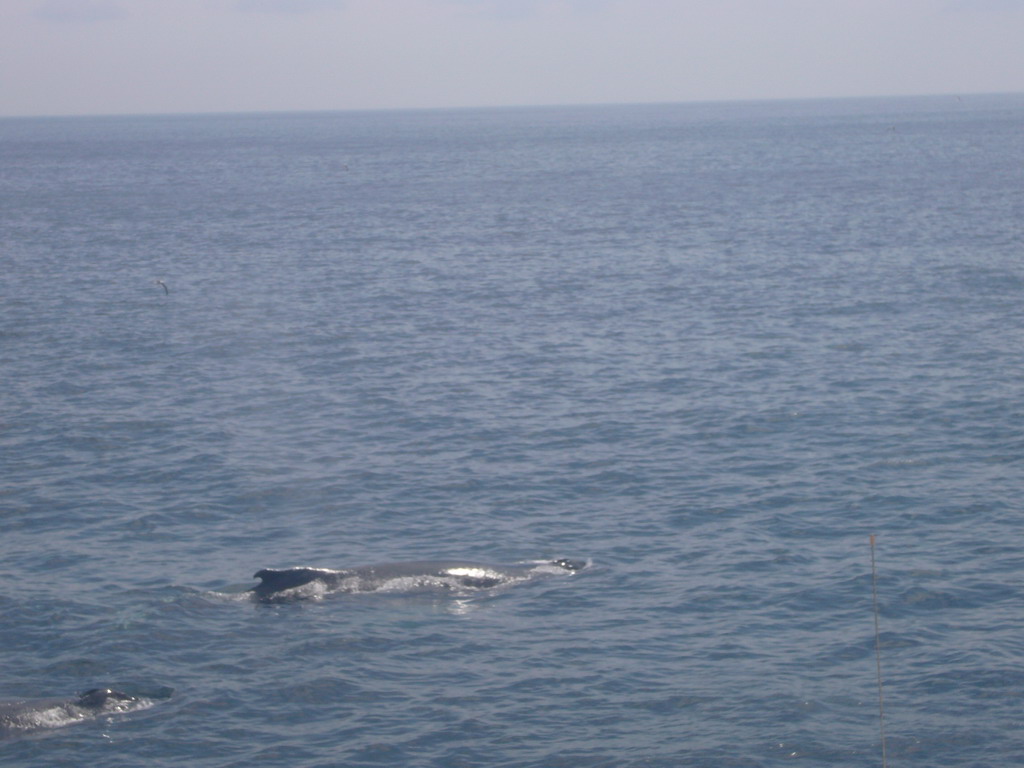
(20, 715)
(445, 575)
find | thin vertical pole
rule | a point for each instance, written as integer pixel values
(878, 650)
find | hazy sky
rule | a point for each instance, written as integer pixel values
(144, 56)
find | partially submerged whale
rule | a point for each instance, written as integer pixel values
(290, 583)
(32, 714)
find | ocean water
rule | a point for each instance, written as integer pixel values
(709, 348)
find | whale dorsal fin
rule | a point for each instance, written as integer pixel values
(97, 698)
(274, 580)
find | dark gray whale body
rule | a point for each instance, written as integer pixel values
(401, 577)
(32, 714)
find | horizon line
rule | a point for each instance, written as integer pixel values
(470, 107)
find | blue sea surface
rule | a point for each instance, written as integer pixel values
(710, 348)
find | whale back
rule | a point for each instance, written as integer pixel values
(570, 565)
(26, 715)
(284, 584)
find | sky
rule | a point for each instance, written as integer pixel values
(75, 57)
